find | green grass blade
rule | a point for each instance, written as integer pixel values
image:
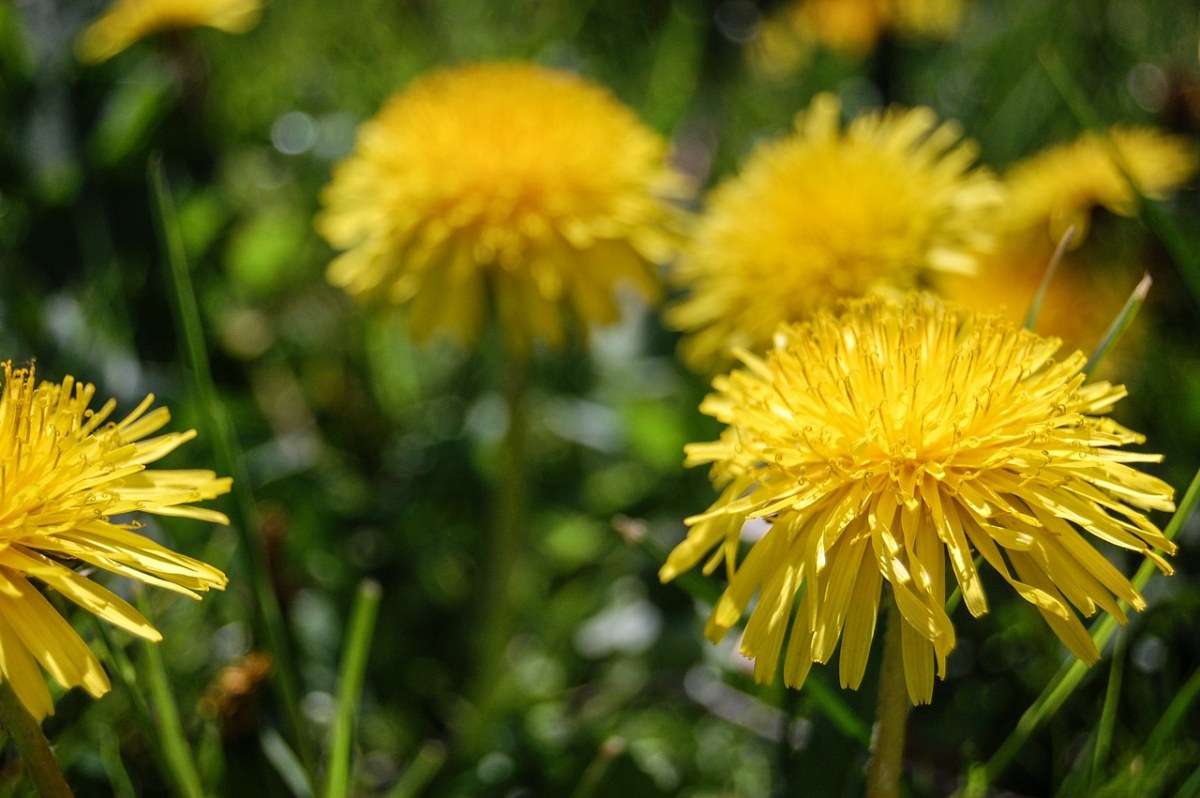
(268, 618)
(353, 667)
(1120, 324)
(1108, 715)
(177, 754)
(285, 762)
(425, 766)
(1039, 296)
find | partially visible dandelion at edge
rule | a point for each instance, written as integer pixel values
(127, 21)
(67, 472)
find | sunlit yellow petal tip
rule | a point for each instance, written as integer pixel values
(507, 186)
(828, 214)
(126, 21)
(66, 470)
(897, 442)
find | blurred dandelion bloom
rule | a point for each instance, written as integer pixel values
(126, 21)
(504, 183)
(824, 215)
(787, 40)
(1060, 186)
(883, 442)
(66, 472)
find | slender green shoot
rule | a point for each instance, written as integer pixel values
(424, 767)
(353, 668)
(1108, 715)
(1039, 296)
(608, 752)
(269, 621)
(37, 760)
(1176, 712)
(180, 764)
(1120, 324)
(285, 762)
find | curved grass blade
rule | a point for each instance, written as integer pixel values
(268, 618)
(1120, 324)
(353, 667)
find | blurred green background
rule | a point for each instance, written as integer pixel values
(370, 456)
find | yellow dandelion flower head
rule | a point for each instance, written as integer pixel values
(884, 442)
(126, 21)
(824, 215)
(507, 182)
(786, 40)
(1060, 186)
(67, 472)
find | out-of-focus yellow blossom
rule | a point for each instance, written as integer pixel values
(788, 38)
(824, 215)
(67, 473)
(506, 185)
(894, 443)
(126, 21)
(1060, 186)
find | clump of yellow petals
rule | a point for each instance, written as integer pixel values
(824, 215)
(126, 21)
(884, 442)
(507, 184)
(787, 39)
(1060, 186)
(66, 472)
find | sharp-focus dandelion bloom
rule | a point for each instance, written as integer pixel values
(68, 475)
(126, 21)
(824, 215)
(507, 184)
(881, 444)
(1060, 186)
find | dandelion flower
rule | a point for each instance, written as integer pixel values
(881, 444)
(505, 183)
(825, 215)
(788, 38)
(1060, 186)
(126, 21)
(68, 474)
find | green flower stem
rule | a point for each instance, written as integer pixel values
(891, 716)
(499, 602)
(353, 667)
(36, 757)
(268, 618)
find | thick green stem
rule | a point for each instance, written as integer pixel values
(36, 757)
(499, 605)
(891, 716)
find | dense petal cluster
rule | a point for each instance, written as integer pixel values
(885, 442)
(1060, 186)
(126, 21)
(824, 215)
(509, 184)
(67, 475)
